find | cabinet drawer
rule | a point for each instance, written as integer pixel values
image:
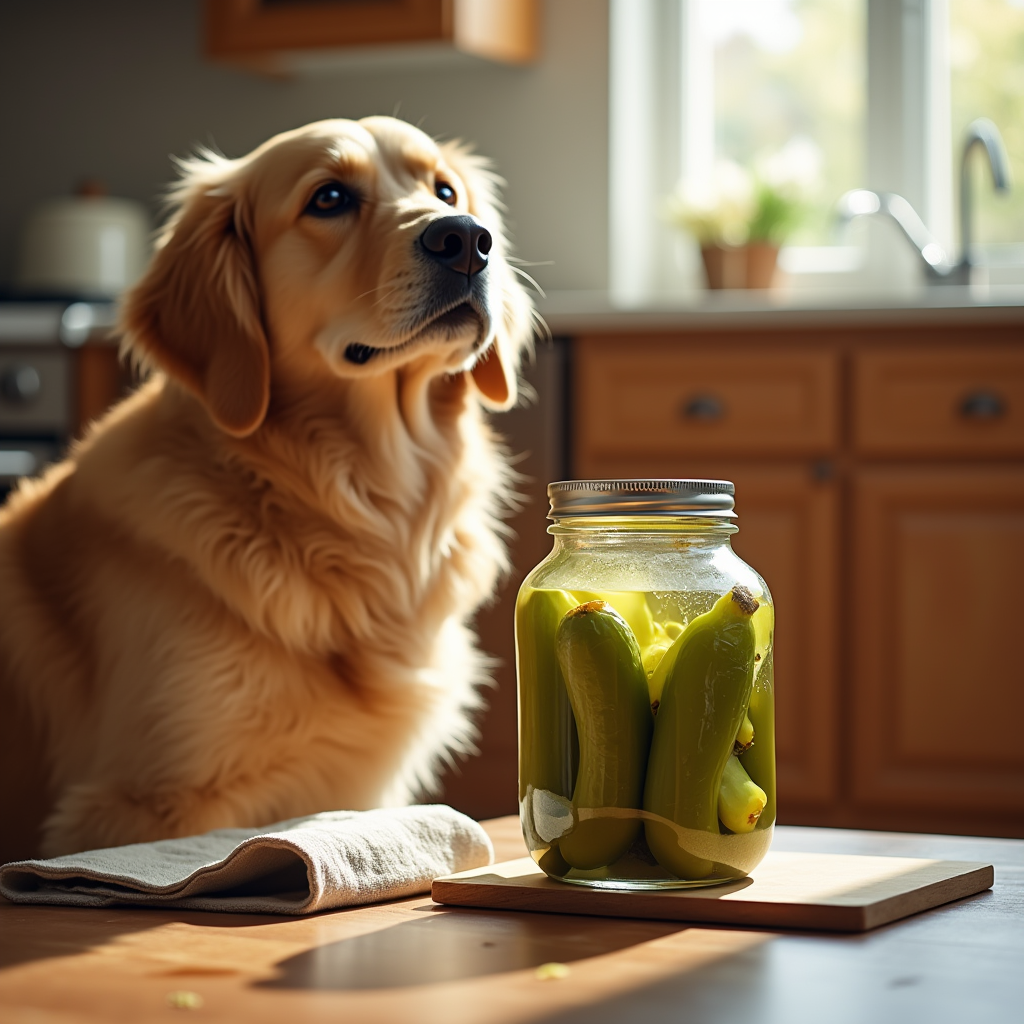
(659, 399)
(941, 403)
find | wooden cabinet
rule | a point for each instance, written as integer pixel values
(937, 684)
(284, 36)
(789, 532)
(638, 414)
(102, 378)
(485, 786)
(880, 492)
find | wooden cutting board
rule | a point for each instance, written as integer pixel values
(817, 891)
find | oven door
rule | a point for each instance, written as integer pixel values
(35, 409)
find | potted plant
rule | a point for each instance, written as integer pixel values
(739, 220)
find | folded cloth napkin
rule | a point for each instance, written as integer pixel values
(334, 859)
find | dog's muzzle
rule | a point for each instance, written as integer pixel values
(456, 250)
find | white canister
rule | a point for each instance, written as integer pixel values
(88, 246)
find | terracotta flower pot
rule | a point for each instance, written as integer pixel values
(725, 266)
(740, 266)
(761, 260)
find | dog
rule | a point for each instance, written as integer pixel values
(246, 594)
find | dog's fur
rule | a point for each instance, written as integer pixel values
(245, 595)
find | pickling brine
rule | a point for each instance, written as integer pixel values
(645, 670)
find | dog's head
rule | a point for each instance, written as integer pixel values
(356, 248)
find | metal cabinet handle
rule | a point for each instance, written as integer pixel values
(982, 405)
(823, 470)
(707, 408)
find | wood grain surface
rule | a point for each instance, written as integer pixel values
(817, 891)
(413, 961)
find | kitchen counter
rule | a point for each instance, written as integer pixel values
(583, 312)
(413, 961)
(71, 324)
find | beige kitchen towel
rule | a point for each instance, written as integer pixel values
(334, 859)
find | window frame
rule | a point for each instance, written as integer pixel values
(660, 122)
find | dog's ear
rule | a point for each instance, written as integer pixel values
(497, 386)
(196, 313)
(495, 374)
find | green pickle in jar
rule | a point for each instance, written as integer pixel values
(644, 650)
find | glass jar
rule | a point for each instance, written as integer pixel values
(644, 663)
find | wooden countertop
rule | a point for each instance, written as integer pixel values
(412, 961)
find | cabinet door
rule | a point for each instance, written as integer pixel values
(789, 532)
(937, 691)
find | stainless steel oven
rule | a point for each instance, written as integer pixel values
(37, 380)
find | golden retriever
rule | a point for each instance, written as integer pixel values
(246, 594)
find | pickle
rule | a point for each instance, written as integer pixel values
(656, 677)
(632, 606)
(764, 632)
(546, 728)
(656, 680)
(759, 760)
(707, 691)
(745, 737)
(604, 676)
(551, 862)
(740, 801)
(652, 657)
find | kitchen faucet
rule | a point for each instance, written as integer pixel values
(862, 201)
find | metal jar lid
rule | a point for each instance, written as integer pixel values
(714, 498)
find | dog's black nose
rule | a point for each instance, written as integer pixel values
(460, 243)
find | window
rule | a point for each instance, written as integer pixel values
(856, 93)
(986, 59)
(787, 91)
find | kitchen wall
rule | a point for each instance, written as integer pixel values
(113, 88)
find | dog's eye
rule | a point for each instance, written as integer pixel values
(445, 192)
(331, 200)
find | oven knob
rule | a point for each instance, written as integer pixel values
(20, 383)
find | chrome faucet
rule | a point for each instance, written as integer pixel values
(938, 270)
(981, 132)
(861, 202)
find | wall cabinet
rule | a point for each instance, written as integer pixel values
(880, 491)
(280, 37)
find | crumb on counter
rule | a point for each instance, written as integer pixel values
(551, 972)
(184, 1000)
